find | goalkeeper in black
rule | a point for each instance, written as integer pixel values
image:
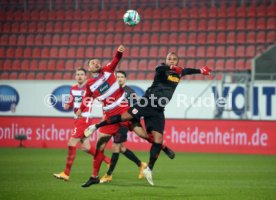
(151, 106)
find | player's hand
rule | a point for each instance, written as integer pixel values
(66, 106)
(176, 69)
(121, 48)
(205, 70)
(78, 113)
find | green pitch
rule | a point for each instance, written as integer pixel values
(26, 174)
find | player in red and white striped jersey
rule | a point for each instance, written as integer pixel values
(76, 94)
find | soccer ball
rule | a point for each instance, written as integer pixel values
(131, 17)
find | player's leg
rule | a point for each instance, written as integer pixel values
(109, 121)
(88, 148)
(98, 159)
(114, 159)
(72, 143)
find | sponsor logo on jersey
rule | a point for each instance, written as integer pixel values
(173, 79)
(9, 98)
(134, 111)
(104, 87)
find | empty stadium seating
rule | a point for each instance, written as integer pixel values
(43, 44)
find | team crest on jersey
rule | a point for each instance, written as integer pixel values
(83, 92)
(134, 111)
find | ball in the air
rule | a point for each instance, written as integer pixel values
(131, 17)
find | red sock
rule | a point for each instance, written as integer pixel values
(70, 159)
(98, 159)
(92, 151)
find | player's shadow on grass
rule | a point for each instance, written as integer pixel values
(141, 184)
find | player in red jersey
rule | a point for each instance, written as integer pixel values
(76, 93)
(104, 87)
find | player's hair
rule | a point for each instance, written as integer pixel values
(82, 69)
(122, 72)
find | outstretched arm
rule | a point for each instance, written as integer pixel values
(113, 64)
(187, 71)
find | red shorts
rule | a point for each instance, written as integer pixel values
(80, 125)
(113, 128)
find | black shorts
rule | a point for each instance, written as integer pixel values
(154, 117)
(121, 135)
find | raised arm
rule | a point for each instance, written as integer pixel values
(113, 64)
(187, 71)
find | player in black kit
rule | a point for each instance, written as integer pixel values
(151, 105)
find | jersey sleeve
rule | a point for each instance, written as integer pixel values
(88, 94)
(188, 71)
(71, 99)
(110, 67)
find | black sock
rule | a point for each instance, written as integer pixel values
(112, 120)
(131, 156)
(114, 159)
(154, 153)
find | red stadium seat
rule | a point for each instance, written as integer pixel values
(261, 24)
(89, 52)
(62, 53)
(211, 24)
(98, 52)
(261, 11)
(251, 37)
(13, 76)
(91, 39)
(191, 51)
(231, 11)
(40, 27)
(34, 65)
(201, 38)
(36, 52)
(15, 27)
(40, 76)
(2, 52)
(250, 51)
(82, 39)
(101, 26)
(60, 65)
(30, 40)
(73, 40)
(153, 52)
(19, 52)
(183, 25)
(150, 76)
(23, 27)
(75, 27)
(192, 25)
(80, 53)
(58, 27)
(64, 39)
(47, 39)
(231, 24)
(7, 27)
(43, 15)
(220, 51)
(221, 38)
(181, 51)
(230, 64)
(165, 25)
(241, 25)
(4, 39)
(58, 76)
(42, 65)
(69, 65)
(53, 52)
(230, 38)
(145, 39)
(56, 39)
(251, 24)
(240, 64)
(251, 11)
(221, 24)
(100, 39)
(220, 64)
(271, 10)
(31, 76)
(230, 49)
(110, 26)
(192, 38)
(143, 52)
(108, 52)
(123, 65)
(240, 39)
(118, 38)
(136, 38)
(173, 26)
(211, 38)
(154, 38)
(200, 51)
(10, 53)
(22, 76)
(172, 38)
(163, 51)
(109, 38)
(133, 64)
(240, 51)
(16, 65)
(38, 39)
(146, 25)
(270, 36)
(51, 65)
(202, 25)
(21, 40)
(12, 40)
(156, 26)
(271, 23)
(241, 11)
(49, 27)
(49, 76)
(32, 27)
(67, 76)
(45, 53)
(27, 52)
(84, 26)
(210, 51)
(134, 52)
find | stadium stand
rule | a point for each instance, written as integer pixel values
(42, 43)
